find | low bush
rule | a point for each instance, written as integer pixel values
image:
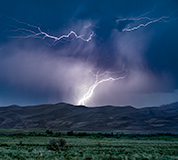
(56, 144)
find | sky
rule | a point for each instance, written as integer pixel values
(117, 52)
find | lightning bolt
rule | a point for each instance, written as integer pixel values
(163, 18)
(32, 31)
(97, 82)
(143, 17)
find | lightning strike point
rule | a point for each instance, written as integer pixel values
(98, 80)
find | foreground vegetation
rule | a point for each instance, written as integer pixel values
(52, 145)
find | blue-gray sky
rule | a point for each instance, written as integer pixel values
(34, 72)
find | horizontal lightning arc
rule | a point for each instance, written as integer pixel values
(144, 25)
(36, 32)
(147, 21)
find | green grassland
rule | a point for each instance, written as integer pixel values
(93, 146)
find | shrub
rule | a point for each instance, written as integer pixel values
(49, 132)
(20, 143)
(82, 134)
(62, 142)
(4, 145)
(56, 144)
(57, 134)
(70, 133)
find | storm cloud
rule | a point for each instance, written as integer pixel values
(32, 71)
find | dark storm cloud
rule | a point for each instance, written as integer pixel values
(33, 72)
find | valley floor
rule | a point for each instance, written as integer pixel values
(22, 147)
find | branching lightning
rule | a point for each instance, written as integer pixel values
(163, 18)
(32, 31)
(99, 80)
(147, 21)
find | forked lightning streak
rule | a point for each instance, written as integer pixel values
(97, 82)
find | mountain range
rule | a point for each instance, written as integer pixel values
(64, 116)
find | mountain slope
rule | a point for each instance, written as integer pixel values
(68, 117)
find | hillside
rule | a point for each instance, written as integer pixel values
(69, 117)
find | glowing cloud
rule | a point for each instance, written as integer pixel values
(99, 79)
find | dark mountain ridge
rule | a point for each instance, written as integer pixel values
(63, 116)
